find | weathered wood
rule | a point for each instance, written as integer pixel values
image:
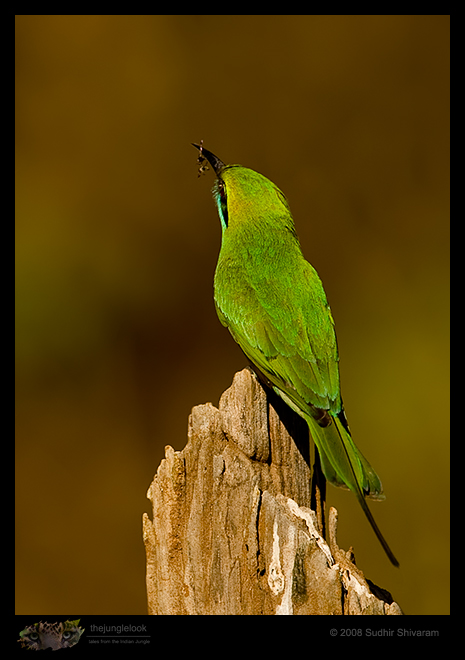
(232, 531)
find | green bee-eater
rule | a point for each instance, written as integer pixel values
(274, 305)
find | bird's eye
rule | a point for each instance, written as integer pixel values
(219, 193)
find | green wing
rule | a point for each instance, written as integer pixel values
(286, 330)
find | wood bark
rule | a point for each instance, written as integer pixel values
(232, 529)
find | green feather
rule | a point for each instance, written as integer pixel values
(274, 305)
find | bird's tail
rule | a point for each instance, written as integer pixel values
(344, 466)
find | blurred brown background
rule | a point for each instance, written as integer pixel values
(117, 241)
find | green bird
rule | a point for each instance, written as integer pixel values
(274, 305)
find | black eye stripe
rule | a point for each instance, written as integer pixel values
(224, 203)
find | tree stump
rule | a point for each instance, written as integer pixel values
(232, 529)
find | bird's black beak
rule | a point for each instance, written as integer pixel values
(214, 161)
